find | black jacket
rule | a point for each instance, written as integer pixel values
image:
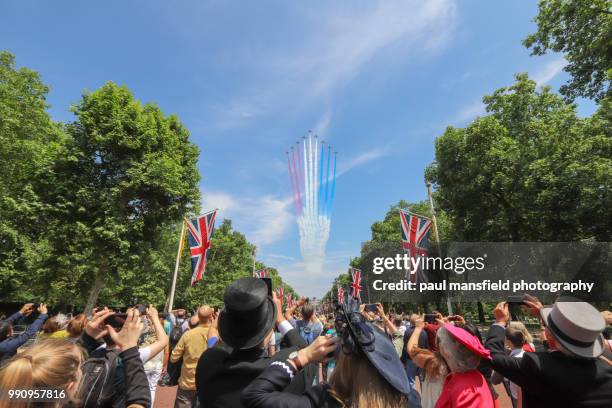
(136, 386)
(266, 392)
(553, 379)
(222, 374)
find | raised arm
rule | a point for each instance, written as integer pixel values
(266, 390)
(162, 339)
(388, 323)
(412, 347)
(285, 327)
(12, 344)
(137, 392)
(290, 310)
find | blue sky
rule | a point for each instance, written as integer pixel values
(379, 80)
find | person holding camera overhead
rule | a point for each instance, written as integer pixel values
(368, 372)
(576, 373)
(10, 344)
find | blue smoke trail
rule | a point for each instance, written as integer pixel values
(320, 192)
(327, 181)
(333, 188)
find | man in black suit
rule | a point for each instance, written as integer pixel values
(245, 327)
(575, 374)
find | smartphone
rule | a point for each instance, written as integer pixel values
(116, 321)
(430, 318)
(515, 300)
(268, 281)
(371, 308)
(142, 309)
(514, 306)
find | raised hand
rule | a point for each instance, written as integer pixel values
(533, 304)
(26, 309)
(279, 308)
(152, 312)
(96, 327)
(42, 308)
(380, 310)
(318, 350)
(501, 313)
(129, 334)
(419, 322)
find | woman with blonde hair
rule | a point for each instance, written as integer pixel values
(56, 364)
(52, 363)
(368, 371)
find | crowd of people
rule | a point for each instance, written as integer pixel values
(254, 353)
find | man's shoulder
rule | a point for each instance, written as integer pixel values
(196, 332)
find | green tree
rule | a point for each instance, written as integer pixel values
(230, 257)
(128, 173)
(530, 170)
(582, 31)
(29, 144)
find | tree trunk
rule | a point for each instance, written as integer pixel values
(481, 314)
(93, 294)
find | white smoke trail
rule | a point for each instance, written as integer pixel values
(313, 216)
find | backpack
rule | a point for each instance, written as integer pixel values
(97, 381)
(307, 332)
(175, 334)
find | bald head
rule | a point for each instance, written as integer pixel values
(205, 314)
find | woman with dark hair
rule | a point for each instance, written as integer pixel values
(10, 344)
(76, 326)
(431, 362)
(368, 372)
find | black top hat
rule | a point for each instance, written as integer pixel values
(248, 315)
(360, 336)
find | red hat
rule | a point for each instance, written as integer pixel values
(470, 341)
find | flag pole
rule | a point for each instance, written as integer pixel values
(435, 226)
(254, 252)
(176, 266)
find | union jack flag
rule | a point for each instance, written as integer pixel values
(356, 284)
(280, 293)
(415, 240)
(262, 273)
(200, 231)
(289, 301)
(340, 295)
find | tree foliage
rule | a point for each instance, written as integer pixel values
(94, 207)
(389, 230)
(30, 142)
(582, 31)
(230, 257)
(530, 170)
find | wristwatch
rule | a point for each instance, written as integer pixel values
(295, 359)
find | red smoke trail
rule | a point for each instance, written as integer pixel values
(297, 183)
(293, 195)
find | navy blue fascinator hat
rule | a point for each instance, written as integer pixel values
(360, 336)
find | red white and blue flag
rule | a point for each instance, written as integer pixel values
(262, 273)
(289, 302)
(340, 295)
(415, 240)
(280, 293)
(356, 284)
(200, 231)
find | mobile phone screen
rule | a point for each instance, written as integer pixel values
(268, 281)
(370, 308)
(116, 321)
